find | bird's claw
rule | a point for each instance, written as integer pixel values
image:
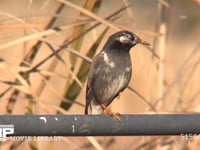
(108, 111)
(116, 116)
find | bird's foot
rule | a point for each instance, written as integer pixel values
(108, 111)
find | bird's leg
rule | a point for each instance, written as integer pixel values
(108, 111)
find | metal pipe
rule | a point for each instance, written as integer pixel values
(102, 125)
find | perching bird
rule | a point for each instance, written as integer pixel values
(110, 72)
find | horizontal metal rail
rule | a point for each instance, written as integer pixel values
(102, 125)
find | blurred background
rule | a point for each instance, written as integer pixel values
(46, 48)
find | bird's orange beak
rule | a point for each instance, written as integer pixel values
(144, 42)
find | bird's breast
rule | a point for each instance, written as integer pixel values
(113, 77)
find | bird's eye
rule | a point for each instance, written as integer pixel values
(131, 38)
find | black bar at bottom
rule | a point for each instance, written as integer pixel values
(102, 125)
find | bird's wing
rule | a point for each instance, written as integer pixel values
(111, 77)
(91, 78)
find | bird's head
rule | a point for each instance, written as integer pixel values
(123, 40)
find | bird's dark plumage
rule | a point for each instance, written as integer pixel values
(110, 71)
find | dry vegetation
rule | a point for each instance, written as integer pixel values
(46, 48)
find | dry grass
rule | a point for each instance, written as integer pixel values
(46, 48)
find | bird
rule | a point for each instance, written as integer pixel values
(110, 72)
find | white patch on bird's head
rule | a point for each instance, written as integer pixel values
(123, 39)
(108, 62)
(128, 38)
